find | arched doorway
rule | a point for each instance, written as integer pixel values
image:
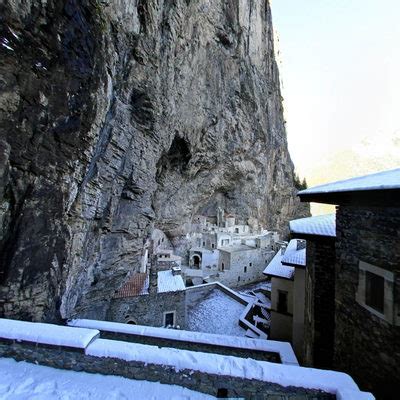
(196, 261)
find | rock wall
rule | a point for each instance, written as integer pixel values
(121, 116)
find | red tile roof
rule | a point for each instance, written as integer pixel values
(137, 285)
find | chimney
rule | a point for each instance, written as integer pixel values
(301, 244)
(176, 271)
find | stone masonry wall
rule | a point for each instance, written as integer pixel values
(193, 346)
(366, 346)
(234, 274)
(319, 322)
(62, 358)
(149, 309)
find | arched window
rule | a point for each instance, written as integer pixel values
(129, 320)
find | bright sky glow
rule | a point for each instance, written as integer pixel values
(339, 66)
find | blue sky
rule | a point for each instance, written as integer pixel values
(340, 68)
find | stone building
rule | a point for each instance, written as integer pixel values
(228, 252)
(149, 300)
(367, 278)
(287, 273)
(319, 317)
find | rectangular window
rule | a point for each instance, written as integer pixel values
(169, 318)
(250, 264)
(282, 301)
(374, 291)
(245, 269)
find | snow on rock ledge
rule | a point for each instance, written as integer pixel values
(46, 333)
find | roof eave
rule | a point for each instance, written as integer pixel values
(304, 235)
(278, 276)
(374, 197)
(293, 265)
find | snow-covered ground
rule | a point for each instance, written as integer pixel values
(23, 381)
(216, 313)
(266, 285)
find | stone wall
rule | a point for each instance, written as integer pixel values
(149, 309)
(65, 358)
(193, 346)
(320, 302)
(235, 261)
(366, 346)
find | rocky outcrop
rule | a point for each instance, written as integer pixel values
(118, 117)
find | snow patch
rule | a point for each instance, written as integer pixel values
(284, 349)
(284, 375)
(21, 380)
(46, 333)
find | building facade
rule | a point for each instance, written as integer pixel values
(287, 273)
(319, 308)
(367, 278)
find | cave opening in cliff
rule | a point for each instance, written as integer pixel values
(175, 160)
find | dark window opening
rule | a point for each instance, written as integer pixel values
(196, 261)
(250, 264)
(213, 245)
(375, 291)
(282, 301)
(245, 269)
(222, 393)
(169, 319)
(238, 278)
(222, 266)
(236, 230)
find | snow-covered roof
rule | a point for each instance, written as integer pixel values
(216, 364)
(37, 332)
(218, 312)
(293, 256)
(275, 267)
(168, 282)
(320, 225)
(235, 249)
(379, 181)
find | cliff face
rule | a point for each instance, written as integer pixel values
(121, 116)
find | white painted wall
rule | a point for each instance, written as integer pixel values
(281, 324)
